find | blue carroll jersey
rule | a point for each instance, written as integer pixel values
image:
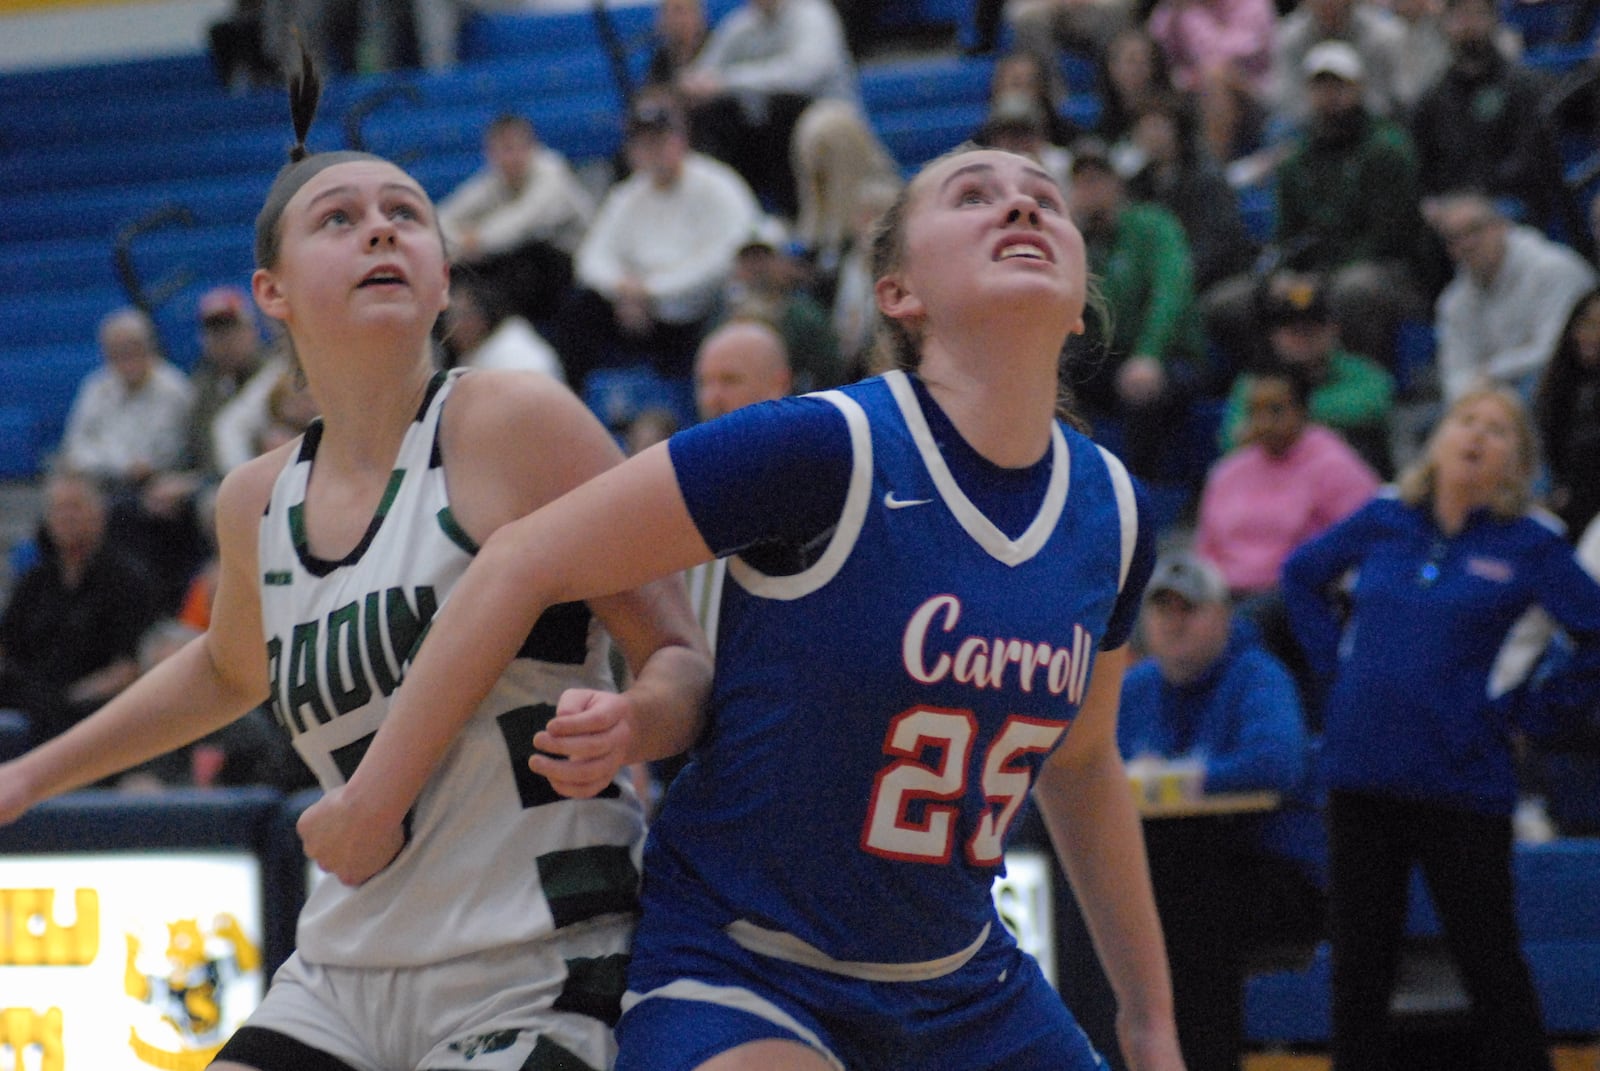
(877, 719)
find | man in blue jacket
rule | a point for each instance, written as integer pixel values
(1212, 695)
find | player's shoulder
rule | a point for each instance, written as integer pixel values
(247, 489)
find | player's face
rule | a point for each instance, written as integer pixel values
(360, 249)
(992, 227)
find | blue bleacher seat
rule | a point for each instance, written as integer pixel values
(19, 445)
(617, 395)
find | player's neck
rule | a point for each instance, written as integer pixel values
(1004, 410)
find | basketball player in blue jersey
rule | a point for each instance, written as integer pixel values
(932, 581)
(497, 937)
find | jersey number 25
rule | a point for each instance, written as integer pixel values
(931, 746)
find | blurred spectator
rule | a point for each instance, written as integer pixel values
(855, 303)
(130, 419)
(1567, 413)
(69, 635)
(652, 268)
(1016, 123)
(1211, 699)
(768, 283)
(1220, 51)
(1024, 73)
(1425, 46)
(1350, 394)
(517, 222)
(1502, 315)
(1371, 31)
(836, 155)
(1177, 171)
(649, 426)
(481, 331)
(237, 428)
(765, 62)
(679, 33)
(1137, 365)
(1131, 69)
(239, 51)
(230, 353)
(1348, 204)
(1286, 481)
(1563, 768)
(1417, 748)
(250, 751)
(290, 410)
(1046, 27)
(1483, 126)
(740, 363)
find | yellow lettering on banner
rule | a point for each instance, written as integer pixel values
(21, 1028)
(30, 936)
(167, 1059)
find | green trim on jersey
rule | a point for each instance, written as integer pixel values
(457, 534)
(547, 1055)
(594, 987)
(582, 883)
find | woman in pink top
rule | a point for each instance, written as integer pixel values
(1220, 51)
(1287, 481)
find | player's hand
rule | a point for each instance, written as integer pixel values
(581, 749)
(346, 842)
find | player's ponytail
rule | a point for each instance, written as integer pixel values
(305, 91)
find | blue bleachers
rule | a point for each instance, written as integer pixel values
(87, 151)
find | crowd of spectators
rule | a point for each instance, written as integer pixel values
(1417, 184)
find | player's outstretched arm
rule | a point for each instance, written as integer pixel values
(214, 679)
(597, 531)
(1089, 811)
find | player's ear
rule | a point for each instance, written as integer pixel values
(895, 301)
(268, 294)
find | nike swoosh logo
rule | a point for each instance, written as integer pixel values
(892, 502)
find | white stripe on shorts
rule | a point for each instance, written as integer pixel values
(728, 996)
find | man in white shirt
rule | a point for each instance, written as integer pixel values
(651, 270)
(518, 220)
(1502, 315)
(765, 62)
(130, 419)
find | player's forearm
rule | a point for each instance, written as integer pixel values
(467, 647)
(1094, 826)
(176, 703)
(669, 695)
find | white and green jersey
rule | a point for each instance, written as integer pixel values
(493, 855)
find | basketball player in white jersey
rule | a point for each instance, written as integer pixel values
(498, 936)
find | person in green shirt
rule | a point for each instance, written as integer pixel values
(1351, 394)
(1137, 367)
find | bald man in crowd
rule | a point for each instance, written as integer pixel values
(740, 363)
